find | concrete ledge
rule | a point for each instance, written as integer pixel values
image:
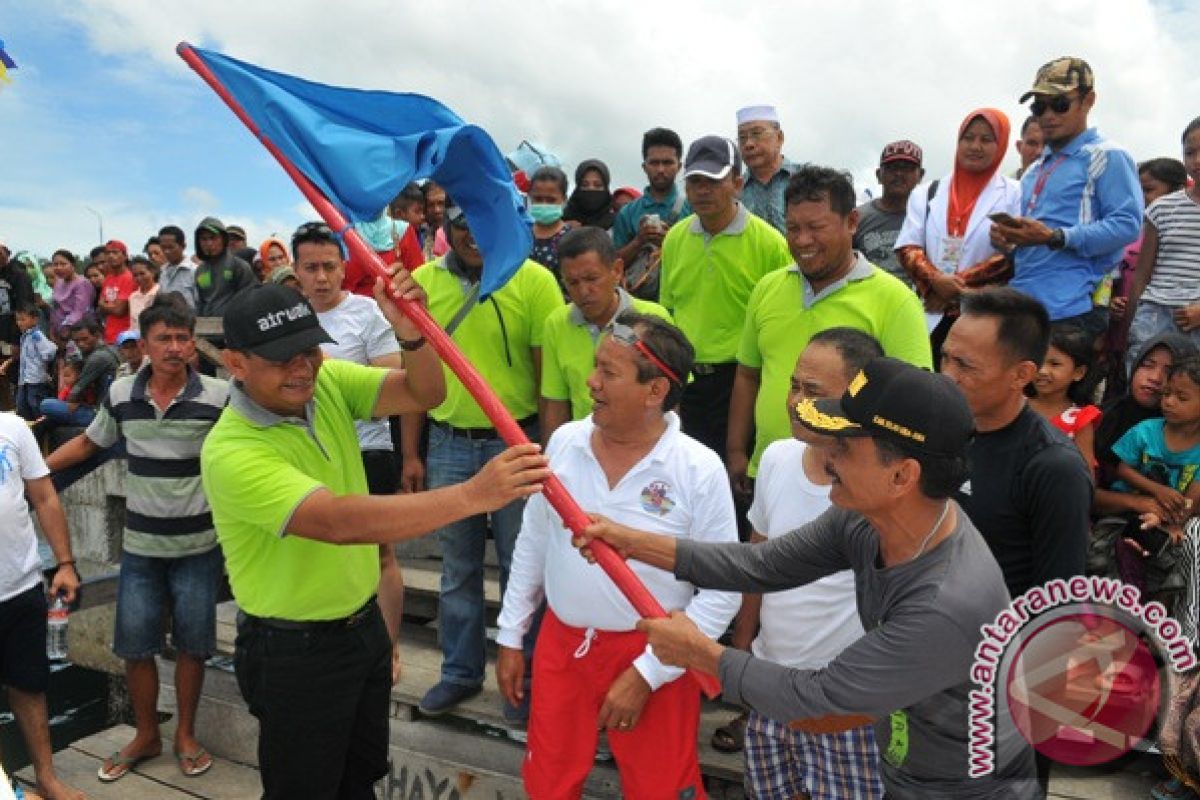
(95, 509)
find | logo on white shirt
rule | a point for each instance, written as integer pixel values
(655, 498)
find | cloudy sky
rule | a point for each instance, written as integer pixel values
(103, 120)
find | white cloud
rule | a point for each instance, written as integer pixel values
(200, 202)
(588, 79)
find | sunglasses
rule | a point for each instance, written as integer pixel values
(313, 229)
(628, 337)
(1059, 104)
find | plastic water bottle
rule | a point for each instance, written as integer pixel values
(56, 629)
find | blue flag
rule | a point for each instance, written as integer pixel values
(360, 148)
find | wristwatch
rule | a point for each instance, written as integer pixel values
(413, 344)
(1058, 239)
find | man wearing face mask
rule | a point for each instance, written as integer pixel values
(502, 337)
(591, 202)
(547, 196)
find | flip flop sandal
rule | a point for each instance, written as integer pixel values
(731, 737)
(199, 765)
(119, 766)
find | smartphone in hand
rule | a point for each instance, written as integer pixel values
(1002, 218)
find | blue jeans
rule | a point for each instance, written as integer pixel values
(56, 411)
(184, 587)
(453, 459)
(29, 399)
(1150, 320)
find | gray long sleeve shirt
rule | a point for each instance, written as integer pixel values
(909, 672)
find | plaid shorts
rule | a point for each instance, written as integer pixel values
(782, 763)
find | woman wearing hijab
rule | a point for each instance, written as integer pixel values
(944, 243)
(591, 202)
(272, 254)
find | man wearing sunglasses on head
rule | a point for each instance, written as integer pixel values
(1081, 202)
(592, 670)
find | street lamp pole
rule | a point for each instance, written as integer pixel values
(99, 222)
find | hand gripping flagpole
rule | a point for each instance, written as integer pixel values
(556, 494)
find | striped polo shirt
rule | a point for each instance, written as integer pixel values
(166, 512)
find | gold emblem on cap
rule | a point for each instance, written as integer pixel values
(808, 414)
(856, 385)
(898, 429)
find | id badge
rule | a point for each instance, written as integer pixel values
(952, 247)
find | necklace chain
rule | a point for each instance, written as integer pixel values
(925, 542)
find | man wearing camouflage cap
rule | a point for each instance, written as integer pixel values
(1080, 201)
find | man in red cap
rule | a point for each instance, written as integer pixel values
(880, 220)
(114, 293)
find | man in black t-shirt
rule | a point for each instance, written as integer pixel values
(1029, 491)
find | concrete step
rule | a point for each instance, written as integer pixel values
(421, 666)
(422, 588)
(156, 779)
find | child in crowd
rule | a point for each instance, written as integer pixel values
(33, 364)
(1158, 176)
(68, 374)
(1160, 458)
(129, 349)
(1166, 286)
(1062, 389)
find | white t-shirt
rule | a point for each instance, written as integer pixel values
(679, 488)
(20, 461)
(361, 334)
(809, 626)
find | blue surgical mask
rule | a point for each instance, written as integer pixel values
(545, 213)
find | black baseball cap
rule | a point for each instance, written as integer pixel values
(712, 157)
(272, 321)
(918, 410)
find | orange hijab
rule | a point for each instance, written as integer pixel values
(965, 186)
(264, 249)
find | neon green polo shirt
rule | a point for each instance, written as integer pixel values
(258, 467)
(783, 314)
(497, 336)
(569, 350)
(706, 280)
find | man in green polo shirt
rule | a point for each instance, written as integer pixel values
(710, 263)
(592, 272)
(829, 285)
(303, 541)
(502, 337)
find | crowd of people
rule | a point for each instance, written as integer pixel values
(836, 437)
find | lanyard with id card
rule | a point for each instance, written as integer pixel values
(952, 250)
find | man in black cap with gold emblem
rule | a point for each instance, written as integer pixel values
(926, 584)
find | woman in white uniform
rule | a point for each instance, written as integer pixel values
(944, 243)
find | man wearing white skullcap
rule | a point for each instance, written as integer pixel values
(760, 139)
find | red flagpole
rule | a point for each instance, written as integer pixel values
(645, 603)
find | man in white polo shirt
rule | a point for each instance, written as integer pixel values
(631, 460)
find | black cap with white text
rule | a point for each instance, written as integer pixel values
(272, 321)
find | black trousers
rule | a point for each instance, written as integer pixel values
(705, 406)
(321, 698)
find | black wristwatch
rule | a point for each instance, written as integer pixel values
(1058, 239)
(414, 344)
